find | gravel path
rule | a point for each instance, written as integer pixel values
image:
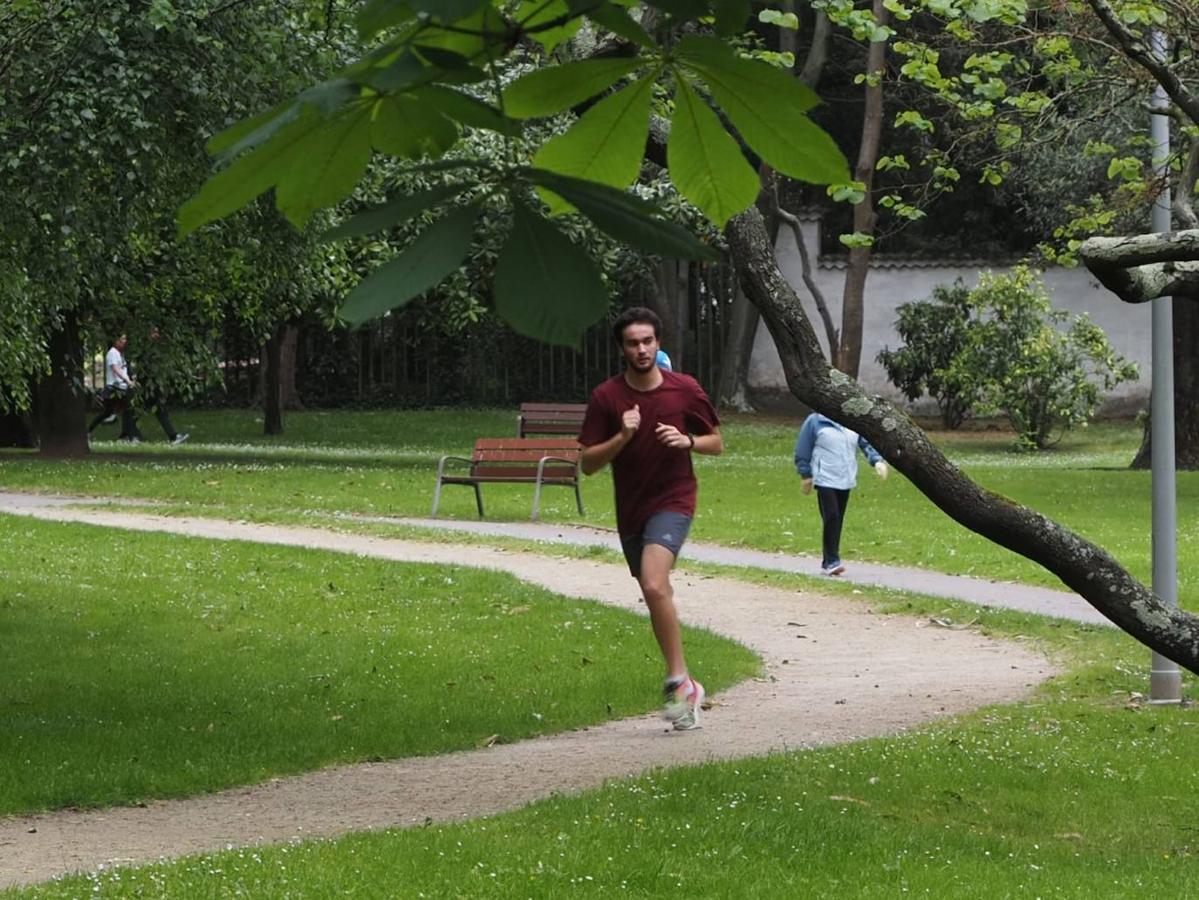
(835, 672)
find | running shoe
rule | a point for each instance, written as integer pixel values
(834, 569)
(683, 701)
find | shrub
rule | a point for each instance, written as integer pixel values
(1019, 361)
(934, 331)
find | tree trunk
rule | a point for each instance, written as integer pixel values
(733, 391)
(58, 398)
(1186, 389)
(289, 399)
(1082, 566)
(272, 408)
(847, 356)
(672, 289)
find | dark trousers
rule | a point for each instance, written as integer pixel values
(117, 402)
(833, 503)
(162, 414)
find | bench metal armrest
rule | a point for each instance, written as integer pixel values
(445, 459)
(441, 463)
(545, 459)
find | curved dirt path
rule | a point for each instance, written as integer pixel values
(834, 672)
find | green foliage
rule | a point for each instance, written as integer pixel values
(934, 332)
(394, 212)
(768, 108)
(1000, 348)
(22, 344)
(607, 143)
(544, 92)
(545, 285)
(438, 251)
(105, 111)
(705, 162)
(624, 217)
(1017, 361)
(431, 79)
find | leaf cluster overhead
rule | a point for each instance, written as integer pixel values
(437, 67)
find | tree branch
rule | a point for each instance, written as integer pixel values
(830, 330)
(1082, 566)
(1184, 194)
(1145, 266)
(1134, 45)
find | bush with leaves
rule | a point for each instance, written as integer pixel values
(1020, 360)
(934, 331)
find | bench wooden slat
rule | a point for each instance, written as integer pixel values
(523, 456)
(550, 445)
(538, 461)
(579, 408)
(550, 418)
(518, 476)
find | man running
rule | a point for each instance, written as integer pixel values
(647, 422)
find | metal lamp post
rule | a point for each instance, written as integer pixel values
(1165, 679)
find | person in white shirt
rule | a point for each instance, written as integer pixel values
(119, 386)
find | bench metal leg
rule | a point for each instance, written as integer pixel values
(578, 498)
(436, 497)
(478, 499)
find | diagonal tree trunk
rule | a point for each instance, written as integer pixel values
(1082, 566)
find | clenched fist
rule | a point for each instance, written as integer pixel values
(631, 420)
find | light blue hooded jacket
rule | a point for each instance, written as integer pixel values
(824, 452)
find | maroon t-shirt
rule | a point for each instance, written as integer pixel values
(649, 476)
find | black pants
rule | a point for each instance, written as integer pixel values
(158, 403)
(114, 402)
(833, 503)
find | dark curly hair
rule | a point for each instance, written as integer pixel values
(635, 314)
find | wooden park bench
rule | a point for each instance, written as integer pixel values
(550, 418)
(538, 461)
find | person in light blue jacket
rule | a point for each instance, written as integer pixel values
(825, 456)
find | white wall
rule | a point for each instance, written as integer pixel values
(893, 281)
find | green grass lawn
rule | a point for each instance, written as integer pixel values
(1079, 792)
(383, 463)
(140, 665)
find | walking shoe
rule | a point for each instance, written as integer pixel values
(834, 569)
(108, 420)
(131, 440)
(683, 701)
(180, 437)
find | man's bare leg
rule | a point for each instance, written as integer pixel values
(656, 563)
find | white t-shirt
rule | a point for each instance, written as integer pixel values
(114, 358)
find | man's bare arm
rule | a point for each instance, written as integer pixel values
(711, 444)
(597, 456)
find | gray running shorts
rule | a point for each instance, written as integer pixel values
(666, 528)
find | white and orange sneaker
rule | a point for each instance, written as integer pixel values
(683, 701)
